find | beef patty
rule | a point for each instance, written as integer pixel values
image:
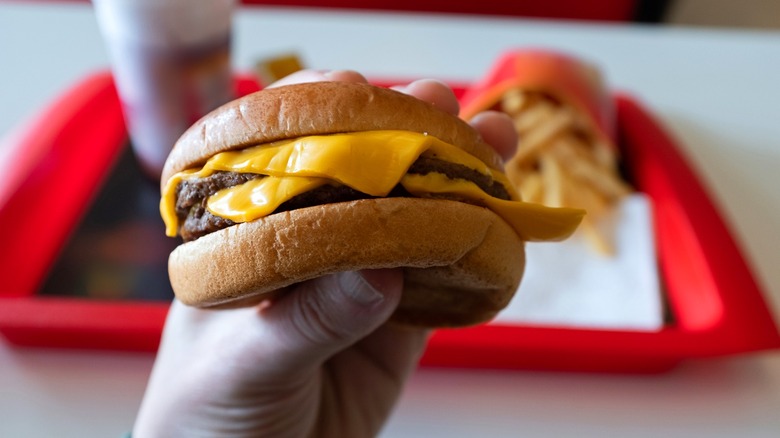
(197, 221)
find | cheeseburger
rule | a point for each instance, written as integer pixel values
(292, 183)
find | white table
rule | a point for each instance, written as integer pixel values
(717, 91)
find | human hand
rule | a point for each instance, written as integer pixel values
(318, 361)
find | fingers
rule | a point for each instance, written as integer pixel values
(321, 317)
(434, 92)
(399, 348)
(498, 130)
(303, 76)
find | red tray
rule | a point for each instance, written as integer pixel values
(716, 303)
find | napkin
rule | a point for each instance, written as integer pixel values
(569, 284)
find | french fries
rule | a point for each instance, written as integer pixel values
(561, 163)
(273, 68)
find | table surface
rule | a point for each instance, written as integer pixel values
(716, 91)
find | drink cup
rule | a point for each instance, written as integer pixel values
(171, 64)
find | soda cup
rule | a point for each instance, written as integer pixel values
(171, 65)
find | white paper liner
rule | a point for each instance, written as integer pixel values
(568, 284)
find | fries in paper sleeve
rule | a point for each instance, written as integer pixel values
(566, 156)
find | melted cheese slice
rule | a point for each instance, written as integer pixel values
(532, 222)
(259, 197)
(371, 162)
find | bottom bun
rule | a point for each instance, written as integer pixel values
(462, 263)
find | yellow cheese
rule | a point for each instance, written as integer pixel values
(532, 222)
(259, 197)
(371, 162)
(168, 199)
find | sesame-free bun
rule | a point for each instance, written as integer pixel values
(462, 263)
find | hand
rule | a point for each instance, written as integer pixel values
(318, 361)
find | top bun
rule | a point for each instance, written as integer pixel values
(318, 108)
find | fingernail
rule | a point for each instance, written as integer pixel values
(360, 290)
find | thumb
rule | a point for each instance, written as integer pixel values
(321, 317)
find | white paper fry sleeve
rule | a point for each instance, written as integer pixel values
(568, 284)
